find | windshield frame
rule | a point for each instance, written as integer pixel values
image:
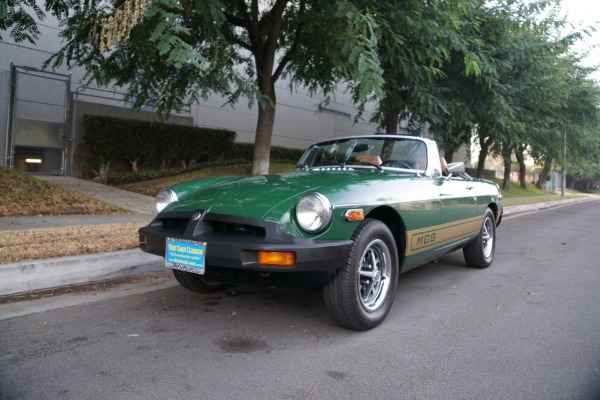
(373, 152)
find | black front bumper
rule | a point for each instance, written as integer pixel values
(233, 243)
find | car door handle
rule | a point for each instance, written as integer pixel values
(469, 187)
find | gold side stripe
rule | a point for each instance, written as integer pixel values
(424, 239)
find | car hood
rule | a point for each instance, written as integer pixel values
(270, 196)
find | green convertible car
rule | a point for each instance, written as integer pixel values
(355, 213)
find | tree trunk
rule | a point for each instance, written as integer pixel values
(264, 127)
(449, 154)
(134, 165)
(390, 106)
(485, 146)
(522, 169)
(264, 43)
(102, 173)
(544, 174)
(391, 126)
(262, 143)
(506, 152)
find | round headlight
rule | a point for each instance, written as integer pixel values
(313, 212)
(164, 198)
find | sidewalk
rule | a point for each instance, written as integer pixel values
(142, 207)
(33, 275)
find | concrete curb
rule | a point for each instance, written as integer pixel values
(519, 209)
(34, 275)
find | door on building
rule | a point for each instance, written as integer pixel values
(38, 121)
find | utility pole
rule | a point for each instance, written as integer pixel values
(564, 167)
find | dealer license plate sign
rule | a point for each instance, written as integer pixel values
(185, 255)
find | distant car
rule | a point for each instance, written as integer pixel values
(355, 213)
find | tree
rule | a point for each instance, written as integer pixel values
(15, 15)
(416, 39)
(465, 67)
(176, 52)
(581, 125)
(509, 98)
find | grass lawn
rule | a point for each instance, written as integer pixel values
(516, 195)
(517, 191)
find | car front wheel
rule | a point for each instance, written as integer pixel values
(480, 252)
(360, 295)
(196, 283)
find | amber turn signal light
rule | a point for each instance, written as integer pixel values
(277, 258)
(354, 215)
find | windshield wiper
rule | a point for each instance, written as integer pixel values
(332, 163)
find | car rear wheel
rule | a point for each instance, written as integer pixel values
(360, 295)
(196, 283)
(480, 253)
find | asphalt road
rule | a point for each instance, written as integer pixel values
(528, 327)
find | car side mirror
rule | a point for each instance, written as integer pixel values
(456, 168)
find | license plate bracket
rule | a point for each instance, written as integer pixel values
(185, 255)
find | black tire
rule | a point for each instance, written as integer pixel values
(360, 294)
(480, 252)
(196, 283)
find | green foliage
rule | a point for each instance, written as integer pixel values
(103, 139)
(23, 26)
(283, 164)
(360, 49)
(162, 144)
(496, 71)
(523, 95)
(15, 16)
(123, 178)
(283, 154)
(184, 52)
(417, 39)
(516, 191)
(244, 151)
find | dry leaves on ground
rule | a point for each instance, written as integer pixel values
(68, 241)
(24, 195)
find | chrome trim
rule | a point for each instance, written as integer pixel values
(345, 214)
(165, 197)
(326, 204)
(384, 203)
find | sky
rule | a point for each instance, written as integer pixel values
(586, 13)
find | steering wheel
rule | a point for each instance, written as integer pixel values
(396, 164)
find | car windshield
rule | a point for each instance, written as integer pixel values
(376, 153)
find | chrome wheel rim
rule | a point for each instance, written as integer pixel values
(374, 272)
(488, 238)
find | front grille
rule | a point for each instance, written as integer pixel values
(175, 225)
(227, 228)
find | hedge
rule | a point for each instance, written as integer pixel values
(245, 151)
(110, 139)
